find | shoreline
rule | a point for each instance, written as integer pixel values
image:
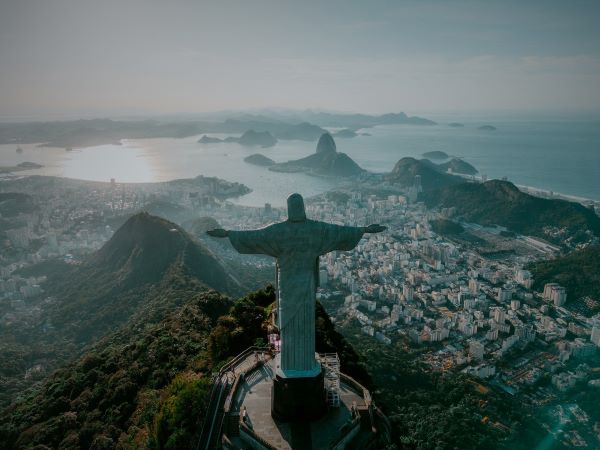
(537, 192)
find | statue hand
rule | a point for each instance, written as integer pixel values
(375, 228)
(218, 232)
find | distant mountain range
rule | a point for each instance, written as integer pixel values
(91, 132)
(250, 138)
(326, 161)
(356, 121)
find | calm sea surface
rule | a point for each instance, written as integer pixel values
(554, 155)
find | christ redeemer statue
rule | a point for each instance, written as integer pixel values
(297, 244)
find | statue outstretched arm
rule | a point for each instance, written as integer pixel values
(262, 241)
(337, 237)
(218, 232)
(374, 228)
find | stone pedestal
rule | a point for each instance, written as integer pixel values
(298, 399)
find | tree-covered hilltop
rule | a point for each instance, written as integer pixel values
(578, 271)
(457, 165)
(146, 385)
(499, 202)
(136, 270)
(14, 203)
(143, 385)
(432, 177)
(432, 410)
(146, 253)
(446, 227)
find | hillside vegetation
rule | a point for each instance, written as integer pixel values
(498, 202)
(149, 264)
(578, 271)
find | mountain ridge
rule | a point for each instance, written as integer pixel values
(498, 202)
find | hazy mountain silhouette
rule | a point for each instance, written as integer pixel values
(145, 254)
(406, 169)
(458, 166)
(146, 247)
(325, 161)
(250, 138)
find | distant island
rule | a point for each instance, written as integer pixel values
(259, 160)
(345, 133)
(455, 125)
(27, 165)
(250, 138)
(209, 140)
(436, 154)
(326, 161)
(487, 128)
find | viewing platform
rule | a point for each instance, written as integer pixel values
(241, 411)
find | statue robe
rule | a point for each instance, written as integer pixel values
(297, 247)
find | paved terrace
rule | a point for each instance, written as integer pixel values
(242, 389)
(252, 400)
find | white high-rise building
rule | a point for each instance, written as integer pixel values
(595, 336)
(523, 277)
(323, 277)
(473, 286)
(498, 314)
(556, 293)
(408, 292)
(504, 295)
(476, 349)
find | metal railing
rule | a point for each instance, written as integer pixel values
(221, 384)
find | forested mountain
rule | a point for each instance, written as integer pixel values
(578, 271)
(497, 202)
(134, 271)
(146, 385)
(432, 177)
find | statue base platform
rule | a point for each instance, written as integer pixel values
(298, 399)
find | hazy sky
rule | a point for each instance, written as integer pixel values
(163, 56)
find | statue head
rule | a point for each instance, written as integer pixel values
(296, 211)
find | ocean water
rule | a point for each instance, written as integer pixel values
(561, 156)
